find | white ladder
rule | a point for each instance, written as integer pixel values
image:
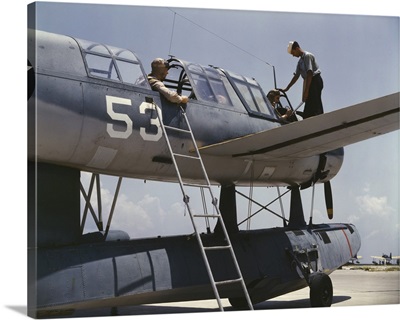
(217, 214)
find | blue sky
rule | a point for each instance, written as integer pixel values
(359, 58)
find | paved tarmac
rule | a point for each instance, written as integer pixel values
(351, 288)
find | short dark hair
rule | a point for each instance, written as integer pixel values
(295, 45)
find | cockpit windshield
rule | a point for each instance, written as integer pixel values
(209, 85)
(253, 96)
(202, 83)
(112, 63)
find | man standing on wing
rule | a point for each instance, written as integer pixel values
(308, 69)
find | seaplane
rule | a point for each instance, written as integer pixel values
(91, 109)
(385, 259)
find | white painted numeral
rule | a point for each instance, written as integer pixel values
(155, 122)
(119, 117)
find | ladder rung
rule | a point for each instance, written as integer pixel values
(228, 281)
(186, 156)
(177, 129)
(217, 248)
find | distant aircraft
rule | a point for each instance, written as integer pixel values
(355, 259)
(90, 108)
(385, 259)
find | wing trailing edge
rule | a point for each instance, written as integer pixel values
(316, 135)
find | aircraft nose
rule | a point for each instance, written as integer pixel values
(355, 241)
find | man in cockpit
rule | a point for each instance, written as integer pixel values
(159, 71)
(283, 113)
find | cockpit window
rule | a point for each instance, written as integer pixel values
(200, 83)
(252, 95)
(113, 63)
(203, 88)
(209, 85)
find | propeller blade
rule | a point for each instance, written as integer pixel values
(328, 199)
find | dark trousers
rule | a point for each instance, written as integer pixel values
(313, 104)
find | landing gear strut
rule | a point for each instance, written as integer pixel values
(320, 284)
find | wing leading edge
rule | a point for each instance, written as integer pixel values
(316, 135)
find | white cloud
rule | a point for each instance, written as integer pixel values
(150, 203)
(374, 205)
(367, 188)
(134, 218)
(377, 222)
(353, 218)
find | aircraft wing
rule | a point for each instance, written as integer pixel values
(317, 134)
(379, 258)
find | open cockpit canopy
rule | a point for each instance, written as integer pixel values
(213, 85)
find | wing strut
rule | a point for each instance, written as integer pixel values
(88, 206)
(227, 246)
